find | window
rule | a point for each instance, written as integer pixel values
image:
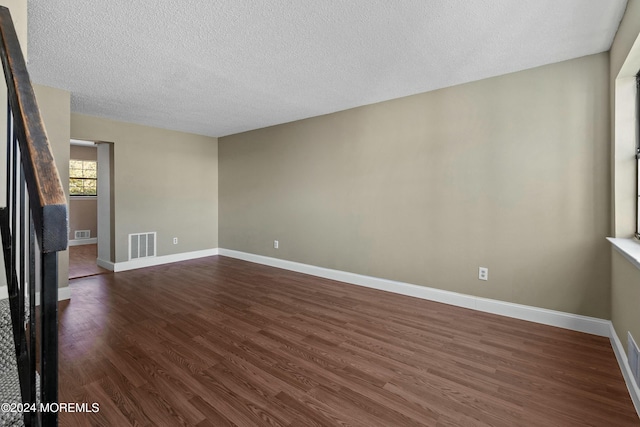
(83, 176)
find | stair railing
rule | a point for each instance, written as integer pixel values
(34, 227)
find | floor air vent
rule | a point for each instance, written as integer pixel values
(633, 357)
(82, 234)
(142, 245)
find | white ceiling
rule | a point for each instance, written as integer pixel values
(225, 66)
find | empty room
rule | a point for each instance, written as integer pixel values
(357, 213)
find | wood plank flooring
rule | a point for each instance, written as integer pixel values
(223, 342)
(82, 261)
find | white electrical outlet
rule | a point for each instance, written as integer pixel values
(175, 240)
(483, 273)
(275, 244)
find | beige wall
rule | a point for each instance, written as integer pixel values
(164, 181)
(18, 9)
(55, 107)
(509, 173)
(83, 212)
(625, 278)
(625, 37)
(625, 314)
(83, 215)
(80, 152)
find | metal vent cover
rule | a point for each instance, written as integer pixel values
(82, 234)
(633, 357)
(142, 245)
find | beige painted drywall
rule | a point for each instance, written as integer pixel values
(625, 298)
(80, 152)
(625, 36)
(83, 212)
(83, 215)
(164, 181)
(18, 9)
(55, 108)
(509, 173)
(625, 277)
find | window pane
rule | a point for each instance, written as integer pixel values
(82, 177)
(90, 187)
(75, 187)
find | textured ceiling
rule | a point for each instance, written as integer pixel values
(225, 66)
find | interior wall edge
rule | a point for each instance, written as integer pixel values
(156, 260)
(621, 357)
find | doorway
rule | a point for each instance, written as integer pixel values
(87, 171)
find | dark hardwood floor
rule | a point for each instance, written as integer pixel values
(223, 342)
(82, 261)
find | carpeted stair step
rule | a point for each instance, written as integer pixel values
(9, 381)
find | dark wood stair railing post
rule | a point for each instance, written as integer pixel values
(34, 227)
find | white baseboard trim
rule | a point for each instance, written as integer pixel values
(590, 325)
(621, 356)
(157, 260)
(80, 242)
(63, 294)
(105, 264)
(574, 322)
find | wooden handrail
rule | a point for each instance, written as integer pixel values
(31, 169)
(48, 202)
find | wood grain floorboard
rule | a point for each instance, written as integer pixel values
(82, 261)
(223, 342)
